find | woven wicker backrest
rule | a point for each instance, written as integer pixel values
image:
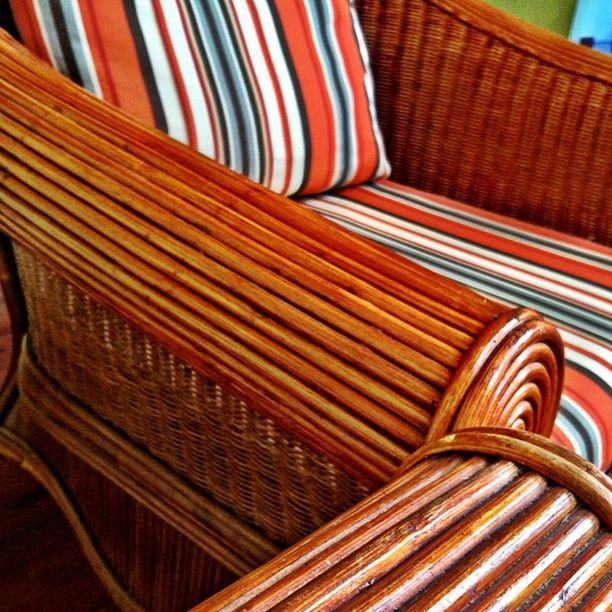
(493, 111)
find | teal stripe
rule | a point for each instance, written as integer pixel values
(78, 45)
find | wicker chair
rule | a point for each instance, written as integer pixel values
(220, 375)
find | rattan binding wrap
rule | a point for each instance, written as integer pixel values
(242, 460)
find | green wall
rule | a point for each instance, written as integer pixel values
(555, 15)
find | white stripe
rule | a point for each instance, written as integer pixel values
(495, 226)
(289, 101)
(589, 364)
(316, 36)
(579, 413)
(50, 37)
(587, 344)
(576, 442)
(250, 145)
(226, 109)
(197, 101)
(270, 108)
(554, 275)
(161, 70)
(83, 56)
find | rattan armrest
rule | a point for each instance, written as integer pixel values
(488, 109)
(482, 519)
(353, 349)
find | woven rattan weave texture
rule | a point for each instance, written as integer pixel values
(243, 460)
(493, 112)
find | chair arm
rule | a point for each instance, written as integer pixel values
(480, 519)
(351, 348)
(485, 108)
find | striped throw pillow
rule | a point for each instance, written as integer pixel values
(278, 90)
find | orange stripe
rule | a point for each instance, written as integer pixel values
(115, 57)
(96, 47)
(375, 201)
(560, 438)
(364, 142)
(29, 28)
(503, 220)
(595, 402)
(534, 254)
(319, 110)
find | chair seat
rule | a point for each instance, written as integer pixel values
(565, 278)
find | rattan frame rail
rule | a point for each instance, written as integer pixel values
(463, 516)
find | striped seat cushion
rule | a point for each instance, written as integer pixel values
(568, 280)
(278, 90)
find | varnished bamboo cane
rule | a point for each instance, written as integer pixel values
(529, 526)
(360, 353)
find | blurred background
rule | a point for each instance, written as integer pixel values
(588, 22)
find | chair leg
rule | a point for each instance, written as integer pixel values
(14, 448)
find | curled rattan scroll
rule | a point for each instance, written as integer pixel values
(512, 377)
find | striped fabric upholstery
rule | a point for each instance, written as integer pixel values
(278, 90)
(567, 279)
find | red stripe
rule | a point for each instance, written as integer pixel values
(365, 141)
(96, 47)
(29, 28)
(584, 351)
(379, 202)
(556, 261)
(559, 437)
(115, 57)
(311, 77)
(502, 220)
(595, 402)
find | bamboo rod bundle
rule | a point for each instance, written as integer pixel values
(482, 519)
(356, 351)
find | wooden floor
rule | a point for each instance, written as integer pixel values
(41, 565)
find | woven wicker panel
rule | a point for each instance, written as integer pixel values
(468, 113)
(157, 565)
(242, 460)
